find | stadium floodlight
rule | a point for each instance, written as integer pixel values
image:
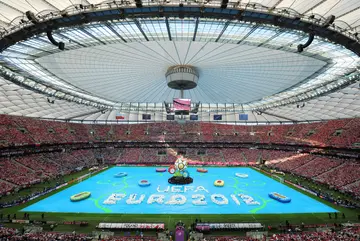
(31, 16)
(64, 13)
(356, 36)
(50, 100)
(138, 3)
(167, 107)
(329, 21)
(196, 109)
(224, 4)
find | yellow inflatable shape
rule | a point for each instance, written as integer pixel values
(219, 183)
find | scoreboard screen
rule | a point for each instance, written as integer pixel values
(182, 104)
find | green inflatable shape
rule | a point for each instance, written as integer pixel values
(80, 196)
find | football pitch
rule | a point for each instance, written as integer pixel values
(247, 193)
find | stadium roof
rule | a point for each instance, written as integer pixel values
(117, 64)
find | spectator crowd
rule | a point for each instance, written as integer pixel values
(345, 234)
(15, 130)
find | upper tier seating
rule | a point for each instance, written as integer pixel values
(16, 130)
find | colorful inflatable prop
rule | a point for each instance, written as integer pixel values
(80, 196)
(242, 175)
(121, 174)
(180, 175)
(144, 183)
(185, 174)
(219, 183)
(280, 198)
(160, 169)
(180, 164)
(203, 170)
(172, 169)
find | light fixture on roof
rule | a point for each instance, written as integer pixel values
(224, 4)
(196, 109)
(64, 13)
(329, 20)
(356, 36)
(138, 3)
(167, 107)
(50, 100)
(31, 16)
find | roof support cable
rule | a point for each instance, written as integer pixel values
(168, 28)
(196, 28)
(137, 23)
(222, 31)
(248, 34)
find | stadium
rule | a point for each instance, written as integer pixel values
(210, 120)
